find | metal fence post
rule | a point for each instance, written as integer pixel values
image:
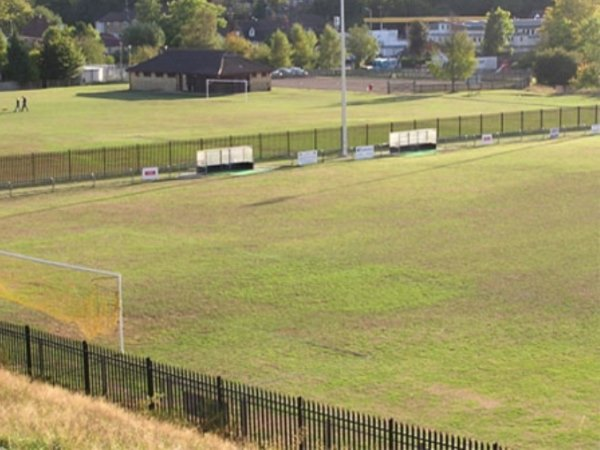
(150, 383)
(481, 124)
(170, 154)
(437, 127)
(70, 167)
(459, 126)
(315, 139)
(541, 119)
(501, 123)
(391, 440)
(560, 118)
(596, 116)
(221, 402)
(33, 166)
(300, 407)
(260, 146)
(104, 160)
(86, 368)
(367, 134)
(28, 351)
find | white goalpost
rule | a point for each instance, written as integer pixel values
(210, 81)
(72, 267)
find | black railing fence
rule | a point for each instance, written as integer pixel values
(213, 404)
(101, 163)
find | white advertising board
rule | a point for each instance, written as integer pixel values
(487, 139)
(308, 157)
(596, 128)
(224, 156)
(150, 174)
(554, 133)
(401, 139)
(364, 152)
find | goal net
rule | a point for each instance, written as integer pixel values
(215, 86)
(89, 299)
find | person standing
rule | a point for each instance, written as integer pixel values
(24, 106)
(18, 106)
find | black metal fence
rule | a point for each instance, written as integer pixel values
(213, 404)
(109, 162)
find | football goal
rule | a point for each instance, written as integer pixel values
(89, 299)
(221, 87)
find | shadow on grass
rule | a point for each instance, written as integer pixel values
(135, 96)
(386, 100)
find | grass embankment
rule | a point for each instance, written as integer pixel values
(37, 416)
(457, 291)
(98, 116)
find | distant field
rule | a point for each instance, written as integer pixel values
(457, 291)
(97, 116)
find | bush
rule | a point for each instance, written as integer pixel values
(555, 67)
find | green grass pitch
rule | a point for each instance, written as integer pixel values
(99, 116)
(457, 291)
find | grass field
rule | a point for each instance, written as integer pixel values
(98, 116)
(457, 291)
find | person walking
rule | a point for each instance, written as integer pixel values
(24, 106)
(18, 106)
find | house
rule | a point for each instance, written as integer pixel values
(115, 22)
(394, 41)
(260, 30)
(188, 71)
(33, 30)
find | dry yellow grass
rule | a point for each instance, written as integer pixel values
(37, 416)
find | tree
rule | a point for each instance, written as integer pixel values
(304, 45)
(562, 26)
(3, 52)
(142, 53)
(144, 34)
(14, 14)
(417, 39)
(456, 60)
(193, 23)
(235, 43)
(148, 11)
(89, 42)
(51, 17)
(60, 57)
(362, 44)
(18, 65)
(499, 30)
(329, 48)
(261, 52)
(555, 67)
(281, 50)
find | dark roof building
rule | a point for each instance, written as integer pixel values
(33, 30)
(189, 71)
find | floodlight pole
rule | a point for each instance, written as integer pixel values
(343, 64)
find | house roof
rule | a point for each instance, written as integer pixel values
(35, 28)
(110, 40)
(200, 62)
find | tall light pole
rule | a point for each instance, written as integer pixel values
(343, 63)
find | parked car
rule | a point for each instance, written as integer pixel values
(289, 72)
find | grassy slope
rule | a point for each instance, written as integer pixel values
(457, 291)
(37, 416)
(96, 116)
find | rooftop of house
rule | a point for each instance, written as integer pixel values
(200, 62)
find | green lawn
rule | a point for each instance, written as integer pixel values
(457, 291)
(97, 116)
